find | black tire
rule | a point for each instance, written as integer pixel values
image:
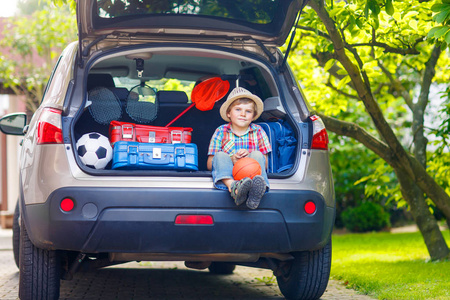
(308, 275)
(16, 234)
(39, 275)
(222, 268)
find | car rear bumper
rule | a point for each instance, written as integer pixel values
(142, 220)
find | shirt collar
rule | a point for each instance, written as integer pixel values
(251, 127)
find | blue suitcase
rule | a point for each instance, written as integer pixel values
(155, 156)
(284, 144)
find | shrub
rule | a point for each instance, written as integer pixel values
(368, 216)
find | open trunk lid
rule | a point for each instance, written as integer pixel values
(268, 21)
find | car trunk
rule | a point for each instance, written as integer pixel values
(167, 75)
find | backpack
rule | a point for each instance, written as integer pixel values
(283, 142)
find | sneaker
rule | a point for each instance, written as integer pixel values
(257, 191)
(240, 190)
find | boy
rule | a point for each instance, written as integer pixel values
(235, 140)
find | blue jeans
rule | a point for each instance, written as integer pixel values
(222, 168)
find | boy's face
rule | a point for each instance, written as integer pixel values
(241, 115)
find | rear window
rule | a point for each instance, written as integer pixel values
(251, 11)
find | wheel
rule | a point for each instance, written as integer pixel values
(16, 234)
(307, 277)
(221, 268)
(39, 275)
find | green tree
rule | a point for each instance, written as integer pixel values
(441, 33)
(373, 69)
(28, 7)
(32, 45)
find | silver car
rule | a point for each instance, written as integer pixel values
(138, 62)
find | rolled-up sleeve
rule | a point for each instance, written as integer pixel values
(263, 141)
(215, 145)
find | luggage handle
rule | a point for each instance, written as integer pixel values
(179, 156)
(149, 159)
(150, 139)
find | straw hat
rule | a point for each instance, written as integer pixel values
(238, 93)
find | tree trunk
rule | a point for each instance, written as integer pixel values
(418, 109)
(435, 242)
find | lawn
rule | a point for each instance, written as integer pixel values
(390, 266)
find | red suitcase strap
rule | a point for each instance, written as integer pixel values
(176, 136)
(127, 131)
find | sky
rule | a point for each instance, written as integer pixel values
(7, 7)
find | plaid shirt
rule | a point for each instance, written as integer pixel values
(223, 139)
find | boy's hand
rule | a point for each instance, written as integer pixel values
(239, 154)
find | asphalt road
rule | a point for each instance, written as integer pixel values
(159, 280)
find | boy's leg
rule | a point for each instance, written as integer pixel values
(222, 173)
(261, 159)
(260, 184)
(228, 182)
(222, 170)
(259, 188)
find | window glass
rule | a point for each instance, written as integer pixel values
(252, 11)
(164, 84)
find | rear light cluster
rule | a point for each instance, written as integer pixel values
(320, 135)
(49, 127)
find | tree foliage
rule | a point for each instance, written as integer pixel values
(372, 68)
(31, 46)
(368, 216)
(441, 33)
(28, 7)
(390, 52)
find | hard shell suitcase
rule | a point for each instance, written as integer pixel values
(153, 156)
(283, 142)
(131, 132)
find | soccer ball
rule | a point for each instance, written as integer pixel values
(94, 150)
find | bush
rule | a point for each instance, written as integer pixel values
(368, 216)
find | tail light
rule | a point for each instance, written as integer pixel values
(310, 207)
(49, 127)
(67, 204)
(320, 135)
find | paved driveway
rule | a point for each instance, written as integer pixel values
(159, 280)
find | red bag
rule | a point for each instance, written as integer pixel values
(123, 131)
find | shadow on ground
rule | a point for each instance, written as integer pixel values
(173, 283)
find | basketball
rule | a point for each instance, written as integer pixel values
(246, 167)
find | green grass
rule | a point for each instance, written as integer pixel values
(390, 266)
